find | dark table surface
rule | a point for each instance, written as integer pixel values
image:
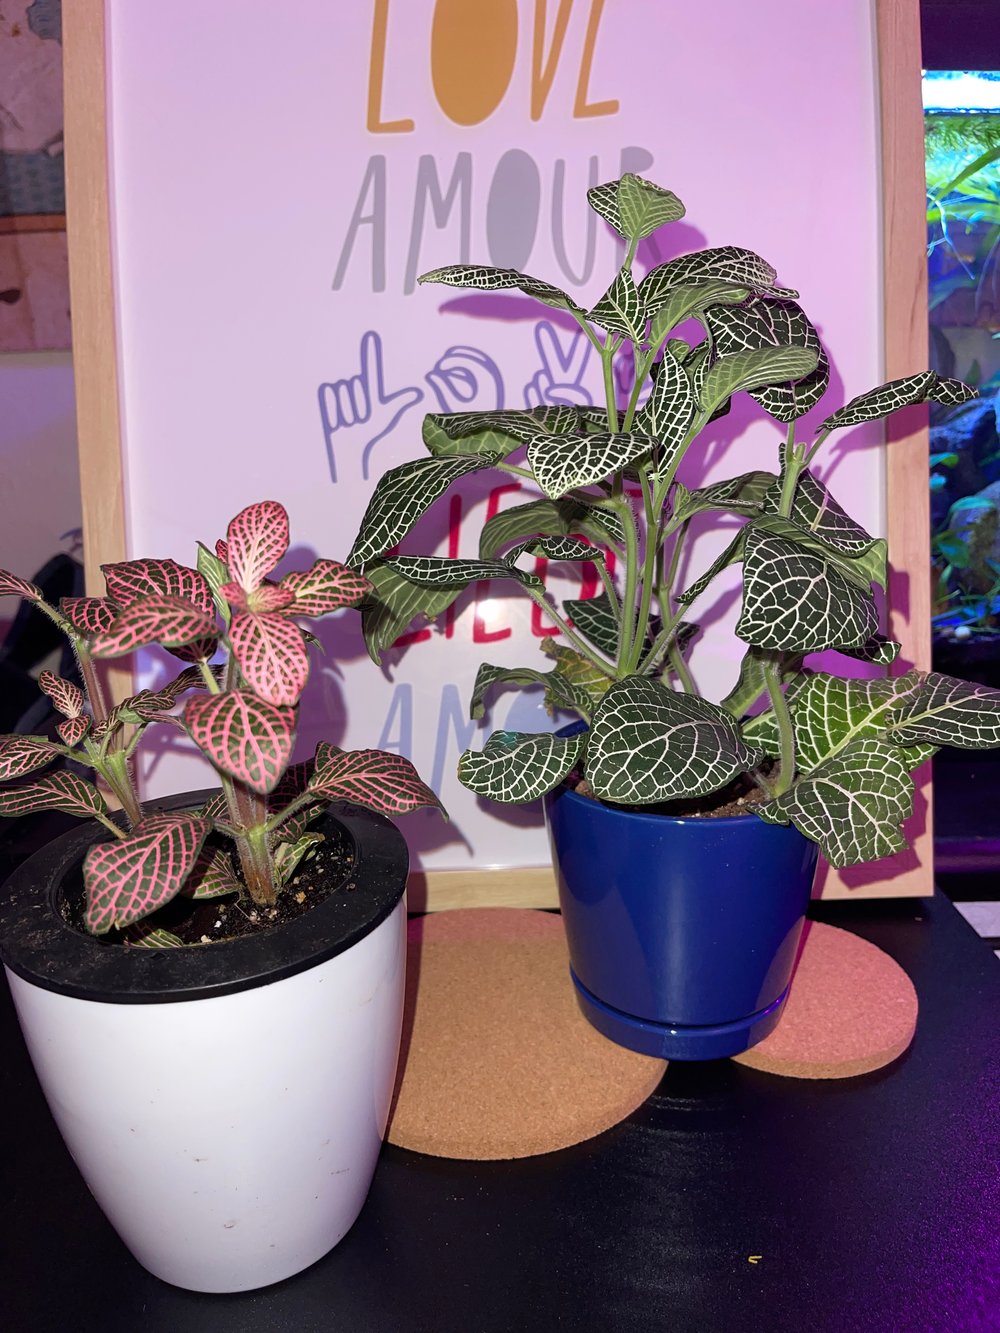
(869, 1204)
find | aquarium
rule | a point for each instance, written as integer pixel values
(962, 136)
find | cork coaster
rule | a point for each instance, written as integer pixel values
(497, 1060)
(851, 1010)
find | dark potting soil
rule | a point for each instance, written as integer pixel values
(212, 920)
(738, 798)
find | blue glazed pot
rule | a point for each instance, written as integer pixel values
(682, 932)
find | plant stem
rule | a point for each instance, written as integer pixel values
(642, 365)
(812, 452)
(513, 470)
(208, 676)
(670, 618)
(628, 630)
(581, 645)
(609, 589)
(251, 844)
(680, 668)
(793, 461)
(783, 717)
(292, 808)
(607, 359)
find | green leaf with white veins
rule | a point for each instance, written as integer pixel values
(483, 278)
(555, 548)
(559, 692)
(853, 805)
(691, 299)
(946, 711)
(439, 572)
(563, 462)
(595, 619)
(750, 370)
(728, 262)
(796, 601)
(732, 555)
(878, 649)
(669, 410)
(762, 323)
(649, 744)
(402, 495)
(815, 509)
(739, 495)
(492, 432)
(514, 766)
(861, 558)
(578, 671)
(549, 518)
(620, 309)
(888, 398)
(643, 207)
(394, 603)
(830, 712)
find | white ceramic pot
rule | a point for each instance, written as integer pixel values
(229, 1123)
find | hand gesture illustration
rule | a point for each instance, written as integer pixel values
(360, 406)
(460, 375)
(559, 382)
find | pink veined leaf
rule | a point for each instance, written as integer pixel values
(294, 782)
(215, 807)
(132, 580)
(189, 679)
(384, 782)
(171, 621)
(89, 615)
(272, 655)
(246, 737)
(212, 876)
(222, 551)
(159, 938)
(271, 597)
(54, 791)
(128, 879)
(257, 540)
(235, 596)
(326, 586)
(146, 706)
(23, 754)
(268, 597)
(73, 729)
(66, 696)
(13, 586)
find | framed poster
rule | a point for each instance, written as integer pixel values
(252, 199)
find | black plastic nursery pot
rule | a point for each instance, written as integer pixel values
(682, 932)
(36, 942)
(225, 1103)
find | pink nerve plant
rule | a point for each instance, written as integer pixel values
(241, 715)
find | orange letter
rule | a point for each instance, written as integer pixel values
(376, 76)
(544, 71)
(581, 107)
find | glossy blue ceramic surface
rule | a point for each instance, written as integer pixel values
(682, 932)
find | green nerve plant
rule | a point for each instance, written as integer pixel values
(844, 748)
(240, 714)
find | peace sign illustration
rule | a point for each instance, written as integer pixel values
(359, 405)
(559, 382)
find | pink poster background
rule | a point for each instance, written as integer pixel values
(272, 207)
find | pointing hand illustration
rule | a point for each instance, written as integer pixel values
(358, 407)
(560, 380)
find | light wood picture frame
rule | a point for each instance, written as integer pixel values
(97, 361)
